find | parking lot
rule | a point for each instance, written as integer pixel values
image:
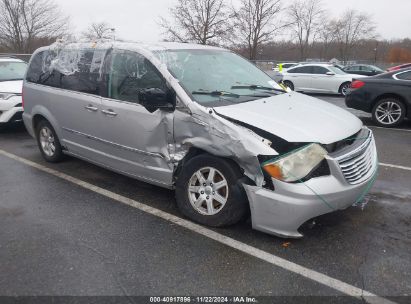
(76, 229)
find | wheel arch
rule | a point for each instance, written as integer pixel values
(41, 113)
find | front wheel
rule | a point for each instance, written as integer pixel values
(388, 112)
(209, 191)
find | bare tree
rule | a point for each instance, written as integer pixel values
(352, 27)
(305, 18)
(22, 22)
(326, 38)
(199, 21)
(255, 22)
(99, 30)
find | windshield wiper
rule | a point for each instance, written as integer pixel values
(15, 79)
(256, 87)
(215, 93)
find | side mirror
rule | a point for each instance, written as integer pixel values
(156, 98)
(330, 74)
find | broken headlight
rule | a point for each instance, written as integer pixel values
(296, 165)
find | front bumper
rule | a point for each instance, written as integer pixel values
(10, 110)
(282, 211)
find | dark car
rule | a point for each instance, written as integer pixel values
(363, 69)
(386, 96)
(399, 67)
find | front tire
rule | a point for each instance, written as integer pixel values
(209, 191)
(388, 112)
(48, 142)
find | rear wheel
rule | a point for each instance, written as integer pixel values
(209, 191)
(344, 88)
(289, 84)
(48, 142)
(388, 112)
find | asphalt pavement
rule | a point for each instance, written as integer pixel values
(61, 237)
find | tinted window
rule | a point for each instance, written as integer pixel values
(80, 70)
(319, 70)
(77, 70)
(353, 68)
(130, 74)
(302, 70)
(404, 76)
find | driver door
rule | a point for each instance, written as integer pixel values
(137, 136)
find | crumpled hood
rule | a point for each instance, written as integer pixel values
(296, 118)
(14, 86)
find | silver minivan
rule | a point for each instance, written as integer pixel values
(203, 121)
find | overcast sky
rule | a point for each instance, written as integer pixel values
(137, 19)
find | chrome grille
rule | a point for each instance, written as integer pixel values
(360, 164)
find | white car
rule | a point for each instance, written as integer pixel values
(12, 73)
(318, 78)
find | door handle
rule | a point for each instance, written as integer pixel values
(91, 108)
(109, 113)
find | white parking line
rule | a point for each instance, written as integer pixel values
(393, 129)
(395, 166)
(323, 279)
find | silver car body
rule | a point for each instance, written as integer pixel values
(126, 138)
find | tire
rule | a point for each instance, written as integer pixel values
(235, 207)
(48, 142)
(289, 84)
(344, 87)
(388, 112)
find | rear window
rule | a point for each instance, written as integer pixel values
(404, 76)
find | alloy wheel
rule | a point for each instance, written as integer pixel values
(208, 191)
(47, 141)
(388, 113)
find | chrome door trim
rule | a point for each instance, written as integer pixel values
(114, 144)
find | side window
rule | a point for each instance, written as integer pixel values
(80, 70)
(319, 70)
(301, 70)
(404, 76)
(131, 74)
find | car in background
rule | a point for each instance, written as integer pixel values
(399, 67)
(12, 71)
(363, 69)
(387, 97)
(318, 78)
(281, 67)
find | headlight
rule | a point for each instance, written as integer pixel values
(7, 95)
(296, 165)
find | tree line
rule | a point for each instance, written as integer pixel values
(258, 29)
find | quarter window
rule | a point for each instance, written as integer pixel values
(132, 73)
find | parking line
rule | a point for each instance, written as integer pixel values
(375, 127)
(395, 166)
(313, 275)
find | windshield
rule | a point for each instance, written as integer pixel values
(336, 70)
(218, 77)
(12, 70)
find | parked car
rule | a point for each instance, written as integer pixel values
(386, 96)
(399, 67)
(281, 67)
(203, 121)
(363, 69)
(318, 78)
(11, 83)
